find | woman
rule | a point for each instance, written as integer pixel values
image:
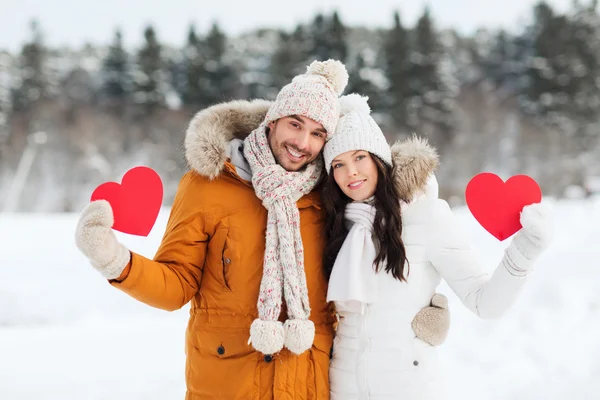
(390, 242)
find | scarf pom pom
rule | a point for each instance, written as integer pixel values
(299, 335)
(266, 336)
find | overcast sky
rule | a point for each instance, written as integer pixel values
(73, 22)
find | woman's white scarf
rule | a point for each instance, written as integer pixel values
(353, 280)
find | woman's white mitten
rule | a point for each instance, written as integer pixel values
(96, 240)
(432, 323)
(532, 239)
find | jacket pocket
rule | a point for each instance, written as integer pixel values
(217, 261)
(226, 262)
(423, 361)
(221, 364)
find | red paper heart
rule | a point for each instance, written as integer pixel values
(497, 205)
(135, 202)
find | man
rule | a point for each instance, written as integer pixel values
(244, 244)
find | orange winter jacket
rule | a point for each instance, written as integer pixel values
(212, 254)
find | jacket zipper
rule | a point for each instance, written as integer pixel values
(364, 348)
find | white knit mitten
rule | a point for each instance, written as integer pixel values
(96, 240)
(531, 240)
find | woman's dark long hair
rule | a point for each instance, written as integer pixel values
(387, 227)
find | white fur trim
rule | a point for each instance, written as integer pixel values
(210, 131)
(415, 160)
(334, 71)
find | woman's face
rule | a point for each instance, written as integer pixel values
(355, 173)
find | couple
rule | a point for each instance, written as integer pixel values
(281, 249)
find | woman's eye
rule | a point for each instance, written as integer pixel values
(360, 157)
(337, 165)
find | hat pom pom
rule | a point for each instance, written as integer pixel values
(299, 335)
(354, 102)
(332, 70)
(266, 336)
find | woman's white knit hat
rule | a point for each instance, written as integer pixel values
(356, 130)
(314, 95)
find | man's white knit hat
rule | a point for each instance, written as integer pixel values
(314, 95)
(356, 130)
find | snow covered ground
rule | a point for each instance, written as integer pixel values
(66, 334)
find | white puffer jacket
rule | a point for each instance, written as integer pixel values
(376, 355)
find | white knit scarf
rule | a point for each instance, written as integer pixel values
(283, 265)
(353, 280)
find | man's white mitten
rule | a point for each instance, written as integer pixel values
(532, 239)
(96, 240)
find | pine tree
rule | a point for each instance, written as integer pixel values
(116, 75)
(502, 58)
(216, 41)
(584, 65)
(328, 38)
(6, 65)
(33, 84)
(320, 41)
(496, 61)
(220, 81)
(562, 90)
(564, 69)
(290, 57)
(359, 83)
(397, 71)
(431, 85)
(192, 71)
(549, 79)
(338, 49)
(149, 77)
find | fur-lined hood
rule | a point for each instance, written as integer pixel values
(211, 130)
(415, 161)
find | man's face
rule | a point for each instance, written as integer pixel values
(296, 141)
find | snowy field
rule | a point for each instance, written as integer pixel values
(66, 334)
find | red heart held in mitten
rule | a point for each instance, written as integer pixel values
(135, 202)
(497, 205)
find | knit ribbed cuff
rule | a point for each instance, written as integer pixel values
(114, 268)
(521, 255)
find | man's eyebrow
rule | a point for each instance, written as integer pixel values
(300, 119)
(297, 118)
